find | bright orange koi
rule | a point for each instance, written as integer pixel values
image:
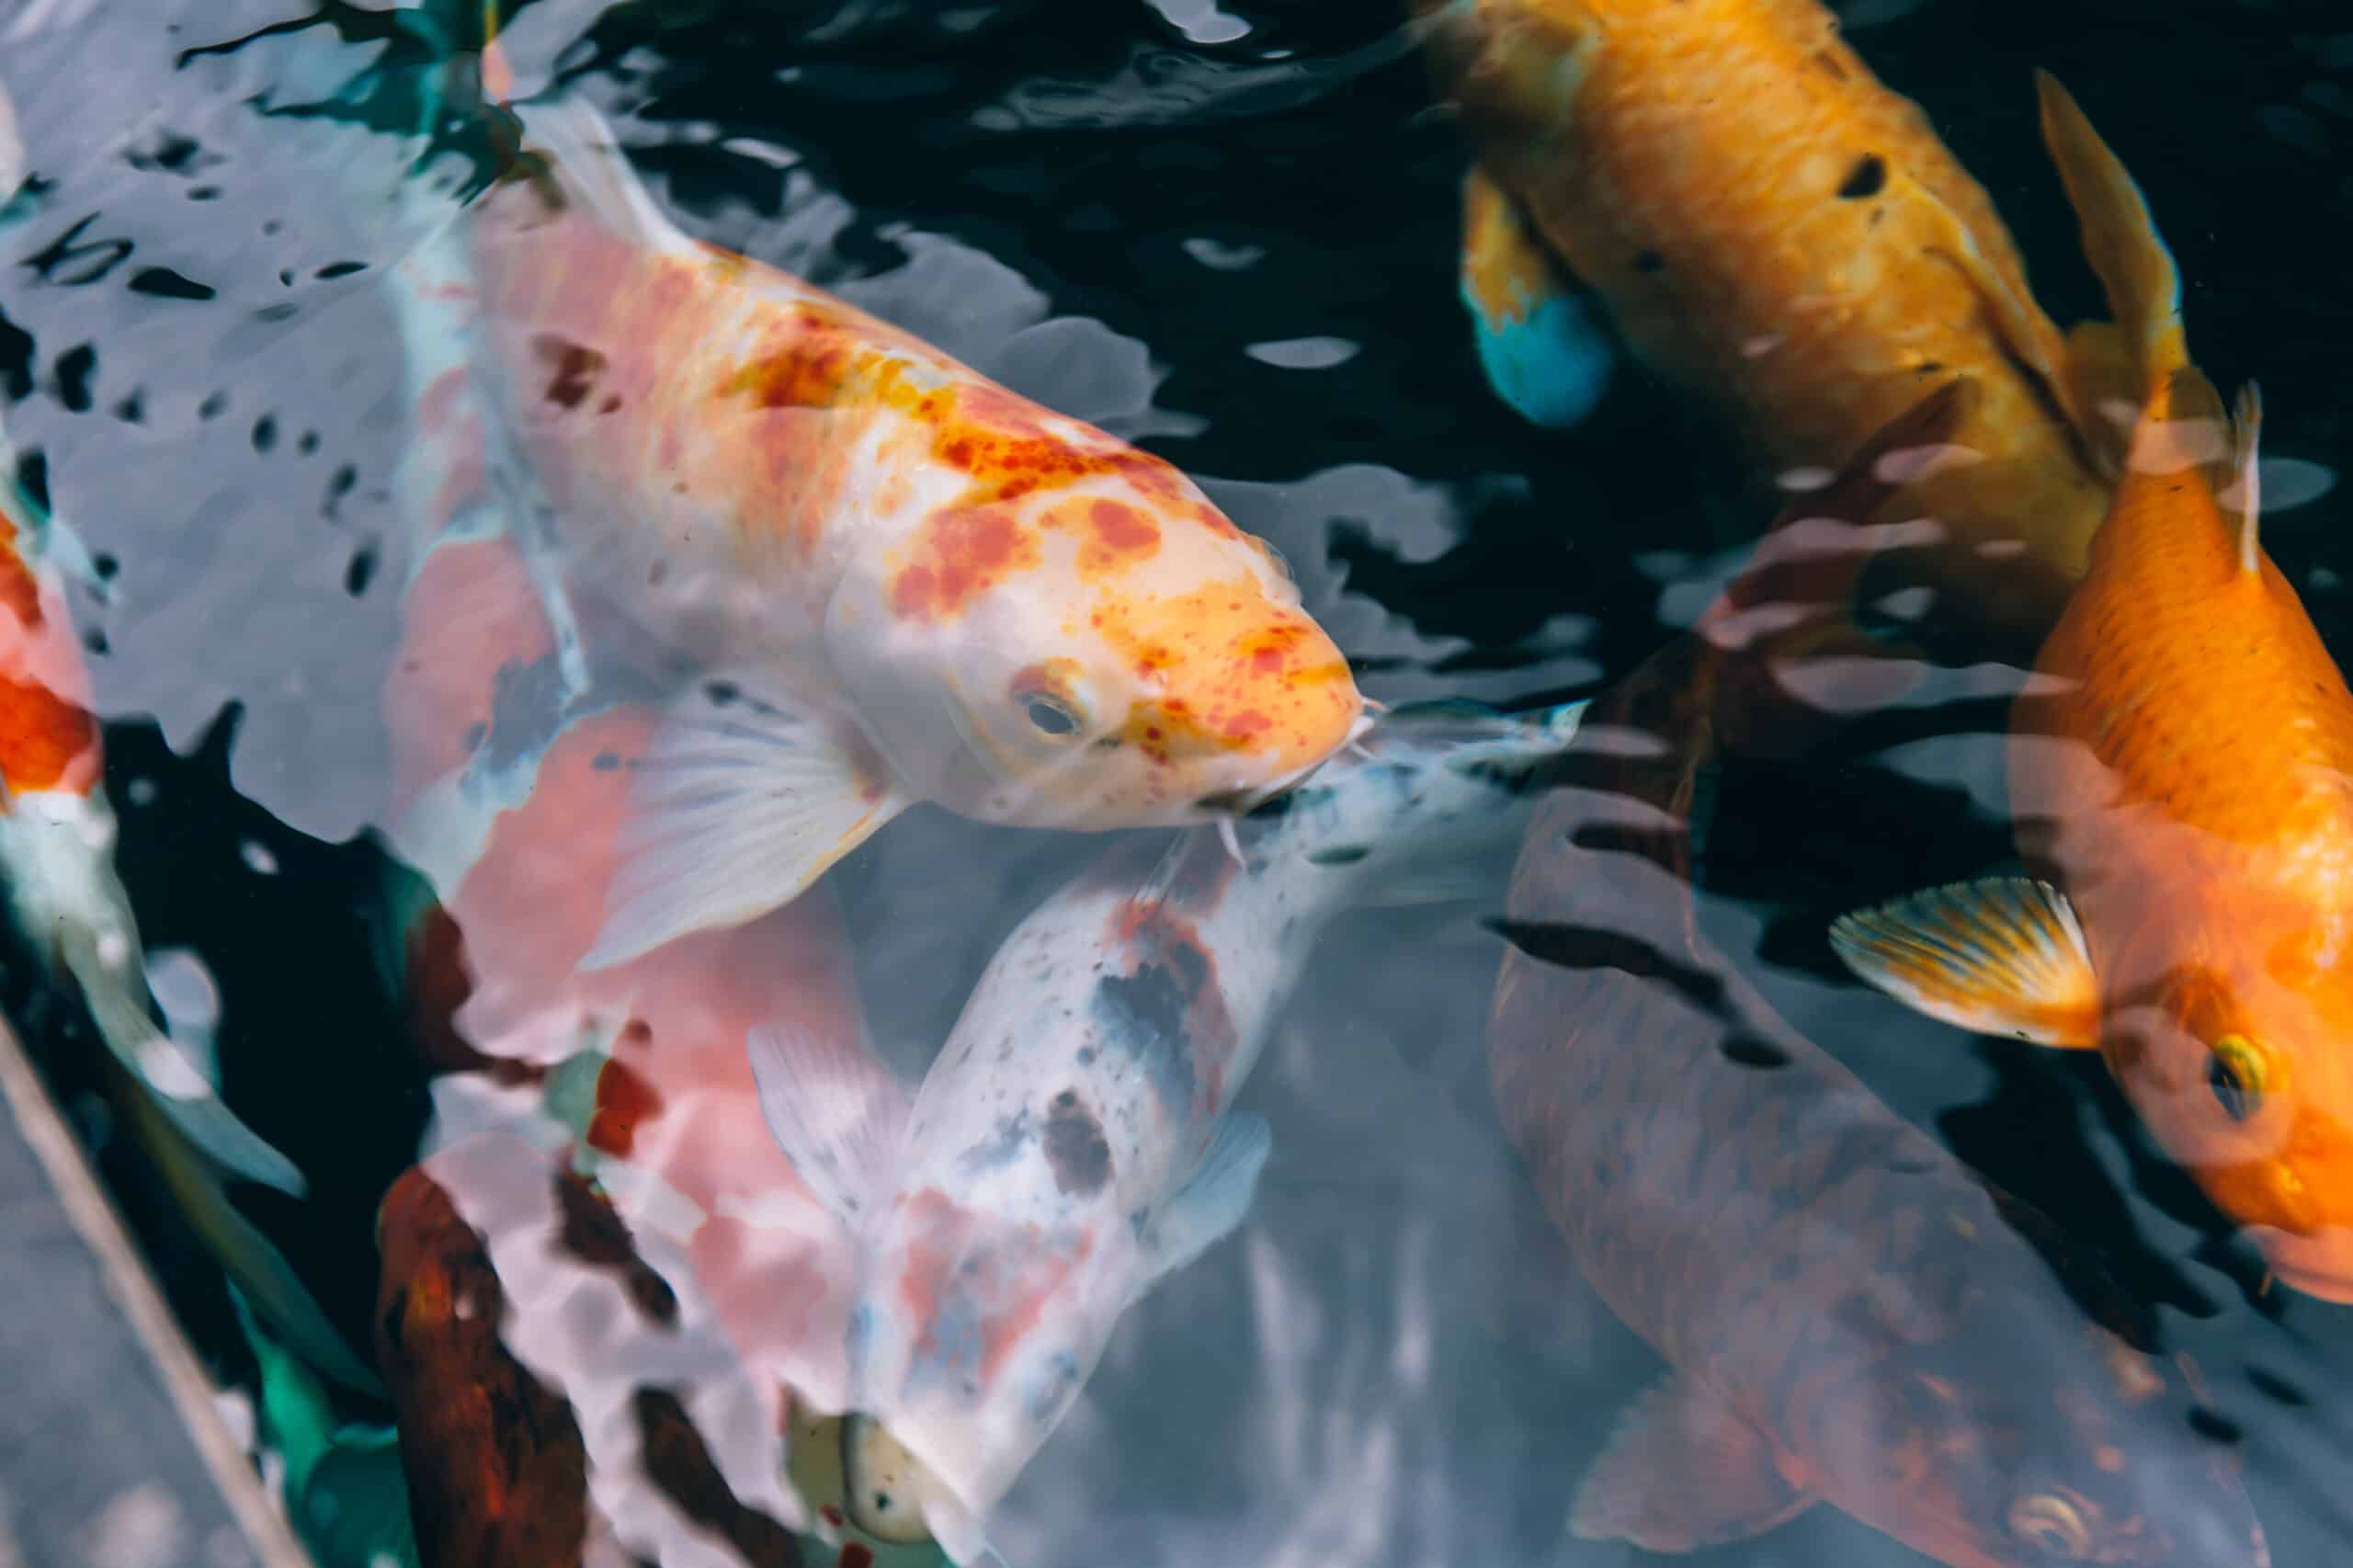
(1770, 228)
(2187, 781)
(877, 576)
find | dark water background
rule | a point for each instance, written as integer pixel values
(1394, 1363)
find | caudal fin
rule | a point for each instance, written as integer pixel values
(167, 1071)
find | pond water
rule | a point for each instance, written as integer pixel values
(1228, 234)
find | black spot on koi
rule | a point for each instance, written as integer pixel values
(1866, 178)
(1075, 1147)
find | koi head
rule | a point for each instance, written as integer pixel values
(1993, 1451)
(1111, 652)
(2232, 1052)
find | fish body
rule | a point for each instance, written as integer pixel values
(2182, 772)
(867, 574)
(1075, 1142)
(1848, 1315)
(1770, 229)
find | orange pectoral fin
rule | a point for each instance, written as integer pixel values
(2001, 956)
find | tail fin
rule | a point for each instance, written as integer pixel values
(2121, 238)
(165, 1070)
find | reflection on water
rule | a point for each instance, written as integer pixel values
(1190, 1118)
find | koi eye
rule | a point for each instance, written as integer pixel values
(2052, 1525)
(2235, 1071)
(1050, 715)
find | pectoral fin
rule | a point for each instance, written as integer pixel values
(1683, 1471)
(741, 802)
(837, 1113)
(2001, 956)
(1541, 338)
(1213, 1202)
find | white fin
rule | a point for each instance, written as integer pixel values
(1213, 1201)
(591, 168)
(191, 999)
(739, 806)
(2246, 487)
(270, 1284)
(176, 1079)
(838, 1115)
(1683, 1471)
(2005, 955)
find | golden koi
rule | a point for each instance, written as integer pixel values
(1770, 228)
(886, 578)
(2187, 781)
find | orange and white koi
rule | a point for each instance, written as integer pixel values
(1771, 229)
(873, 576)
(2186, 778)
(1074, 1142)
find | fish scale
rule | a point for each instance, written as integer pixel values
(2240, 723)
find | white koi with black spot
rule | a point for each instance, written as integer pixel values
(1074, 1142)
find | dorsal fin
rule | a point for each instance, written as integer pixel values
(2245, 492)
(2120, 239)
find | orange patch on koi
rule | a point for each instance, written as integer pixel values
(41, 735)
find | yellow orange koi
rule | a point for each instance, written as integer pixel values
(1770, 228)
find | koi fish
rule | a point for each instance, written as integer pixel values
(2187, 782)
(57, 836)
(511, 784)
(1073, 1144)
(1766, 226)
(1848, 1315)
(872, 576)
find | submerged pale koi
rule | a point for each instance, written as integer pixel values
(1848, 1315)
(1074, 1142)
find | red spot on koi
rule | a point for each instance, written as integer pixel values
(625, 1100)
(960, 553)
(1004, 1275)
(20, 592)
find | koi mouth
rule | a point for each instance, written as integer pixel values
(1247, 802)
